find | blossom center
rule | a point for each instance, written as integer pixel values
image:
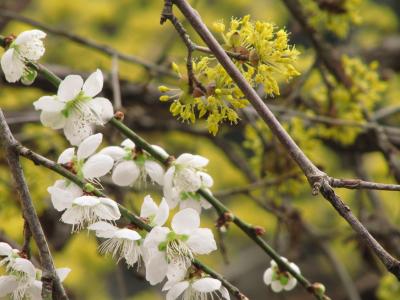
(176, 249)
(78, 104)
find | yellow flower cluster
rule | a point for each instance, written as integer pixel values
(336, 18)
(344, 104)
(265, 58)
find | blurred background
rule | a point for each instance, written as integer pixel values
(305, 229)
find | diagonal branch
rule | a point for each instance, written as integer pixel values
(29, 212)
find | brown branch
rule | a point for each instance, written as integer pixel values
(357, 184)
(29, 212)
(317, 178)
(6, 14)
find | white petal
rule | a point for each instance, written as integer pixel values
(77, 128)
(108, 210)
(29, 35)
(103, 108)
(71, 215)
(191, 203)
(103, 229)
(127, 234)
(177, 290)
(24, 265)
(201, 241)
(127, 143)
(295, 268)
(54, 120)
(149, 207)
(5, 249)
(155, 171)
(60, 198)
(198, 161)
(160, 150)
(49, 104)
(276, 286)
(206, 285)
(206, 180)
(168, 285)
(97, 165)
(267, 277)
(94, 84)
(8, 284)
(184, 159)
(172, 198)
(62, 273)
(176, 271)
(156, 268)
(185, 221)
(155, 237)
(125, 173)
(87, 201)
(115, 152)
(224, 293)
(162, 214)
(66, 156)
(69, 88)
(291, 284)
(34, 291)
(89, 146)
(12, 66)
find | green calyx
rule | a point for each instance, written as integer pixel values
(171, 237)
(75, 103)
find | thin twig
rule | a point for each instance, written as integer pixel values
(116, 88)
(88, 43)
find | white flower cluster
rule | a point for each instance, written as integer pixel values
(167, 252)
(23, 279)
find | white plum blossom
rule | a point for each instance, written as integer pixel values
(120, 242)
(23, 280)
(133, 165)
(84, 163)
(183, 179)
(155, 215)
(86, 210)
(63, 193)
(74, 108)
(203, 288)
(171, 252)
(278, 279)
(27, 47)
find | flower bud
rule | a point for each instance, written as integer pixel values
(164, 98)
(163, 88)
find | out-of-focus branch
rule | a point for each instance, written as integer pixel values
(29, 213)
(6, 14)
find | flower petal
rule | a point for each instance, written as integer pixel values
(155, 171)
(176, 270)
(162, 214)
(115, 152)
(103, 108)
(66, 156)
(69, 88)
(108, 210)
(28, 35)
(127, 234)
(49, 104)
(89, 146)
(87, 201)
(149, 207)
(224, 293)
(201, 241)
(156, 268)
(77, 128)
(5, 249)
(62, 273)
(127, 143)
(97, 165)
(185, 221)
(24, 265)
(8, 284)
(155, 237)
(54, 120)
(12, 66)
(125, 173)
(34, 291)
(206, 179)
(177, 290)
(161, 150)
(206, 285)
(103, 229)
(94, 84)
(291, 284)
(267, 277)
(191, 203)
(276, 286)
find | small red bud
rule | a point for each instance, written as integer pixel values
(259, 230)
(119, 115)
